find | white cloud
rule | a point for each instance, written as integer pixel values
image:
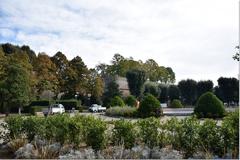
(195, 38)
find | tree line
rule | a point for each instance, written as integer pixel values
(24, 75)
(189, 90)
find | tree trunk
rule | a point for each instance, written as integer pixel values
(19, 110)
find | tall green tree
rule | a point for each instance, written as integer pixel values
(136, 79)
(46, 74)
(188, 89)
(151, 68)
(62, 66)
(112, 90)
(171, 75)
(152, 88)
(203, 87)
(173, 92)
(163, 94)
(95, 86)
(228, 88)
(16, 86)
(77, 77)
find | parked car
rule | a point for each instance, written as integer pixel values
(96, 108)
(53, 109)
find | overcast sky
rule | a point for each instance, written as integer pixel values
(194, 37)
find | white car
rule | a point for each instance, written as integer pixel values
(96, 108)
(54, 108)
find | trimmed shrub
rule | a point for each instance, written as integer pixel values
(130, 101)
(69, 104)
(124, 133)
(40, 103)
(209, 106)
(35, 109)
(152, 132)
(117, 101)
(176, 104)
(122, 111)
(150, 106)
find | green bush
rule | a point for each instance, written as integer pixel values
(117, 101)
(130, 101)
(189, 138)
(33, 126)
(150, 106)
(183, 135)
(230, 133)
(152, 132)
(176, 104)
(95, 132)
(174, 132)
(75, 131)
(35, 109)
(210, 137)
(122, 111)
(186, 135)
(56, 128)
(124, 133)
(40, 103)
(15, 126)
(209, 106)
(69, 104)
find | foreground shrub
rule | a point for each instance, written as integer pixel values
(209, 106)
(230, 133)
(122, 111)
(33, 126)
(124, 133)
(149, 106)
(117, 101)
(210, 137)
(15, 126)
(130, 101)
(189, 137)
(176, 104)
(183, 135)
(56, 128)
(75, 131)
(174, 133)
(152, 132)
(95, 133)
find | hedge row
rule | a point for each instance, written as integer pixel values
(186, 135)
(39, 105)
(122, 111)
